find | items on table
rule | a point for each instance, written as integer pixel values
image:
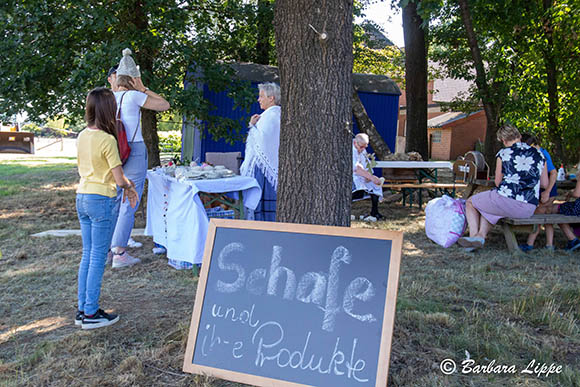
(196, 172)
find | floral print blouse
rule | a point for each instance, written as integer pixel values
(521, 166)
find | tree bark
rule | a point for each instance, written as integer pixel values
(552, 84)
(366, 125)
(144, 58)
(490, 108)
(415, 80)
(314, 49)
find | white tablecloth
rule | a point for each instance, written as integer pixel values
(176, 217)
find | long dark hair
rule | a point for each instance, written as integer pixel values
(101, 110)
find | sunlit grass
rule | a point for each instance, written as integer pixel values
(491, 305)
(17, 175)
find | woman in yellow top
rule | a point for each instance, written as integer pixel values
(100, 172)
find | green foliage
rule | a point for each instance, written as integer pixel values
(169, 122)
(374, 53)
(516, 38)
(388, 61)
(170, 141)
(529, 106)
(371, 162)
(54, 52)
(47, 131)
(32, 128)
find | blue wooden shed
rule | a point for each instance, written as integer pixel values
(378, 93)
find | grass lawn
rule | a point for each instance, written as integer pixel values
(490, 305)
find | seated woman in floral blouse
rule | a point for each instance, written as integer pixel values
(520, 170)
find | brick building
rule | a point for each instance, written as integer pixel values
(450, 134)
(453, 134)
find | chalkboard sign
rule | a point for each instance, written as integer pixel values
(287, 304)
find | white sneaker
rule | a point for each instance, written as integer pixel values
(134, 244)
(159, 250)
(124, 260)
(370, 219)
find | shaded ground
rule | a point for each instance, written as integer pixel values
(495, 306)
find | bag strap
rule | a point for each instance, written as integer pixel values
(120, 104)
(137, 127)
(119, 116)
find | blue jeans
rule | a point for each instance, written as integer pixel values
(136, 170)
(97, 215)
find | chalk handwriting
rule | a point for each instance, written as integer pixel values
(230, 313)
(269, 338)
(320, 289)
(340, 255)
(352, 293)
(276, 270)
(215, 340)
(318, 283)
(225, 287)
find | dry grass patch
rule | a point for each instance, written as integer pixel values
(494, 305)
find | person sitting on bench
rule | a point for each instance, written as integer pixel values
(364, 181)
(569, 209)
(547, 197)
(519, 173)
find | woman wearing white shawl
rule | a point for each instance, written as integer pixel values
(262, 144)
(362, 180)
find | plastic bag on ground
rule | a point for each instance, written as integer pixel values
(445, 220)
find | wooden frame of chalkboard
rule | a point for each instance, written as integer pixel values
(388, 312)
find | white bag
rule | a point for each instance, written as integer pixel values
(445, 220)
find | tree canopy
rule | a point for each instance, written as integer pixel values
(530, 54)
(55, 51)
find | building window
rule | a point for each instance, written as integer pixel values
(436, 136)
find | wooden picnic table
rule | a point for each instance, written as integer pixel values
(566, 184)
(511, 225)
(478, 183)
(411, 176)
(415, 176)
(415, 164)
(408, 170)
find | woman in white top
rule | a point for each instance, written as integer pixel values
(362, 180)
(131, 96)
(262, 144)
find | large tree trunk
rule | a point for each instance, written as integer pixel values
(365, 125)
(149, 117)
(415, 80)
(490, 108)
(144, 58)
(314, 48)
(149, 129)
(552, 84)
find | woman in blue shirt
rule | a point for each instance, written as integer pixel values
(519, 170)
(547, 197)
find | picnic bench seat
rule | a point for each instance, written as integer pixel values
(511, 225)
(408, 189)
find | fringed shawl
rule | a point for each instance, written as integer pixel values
(262, 146)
